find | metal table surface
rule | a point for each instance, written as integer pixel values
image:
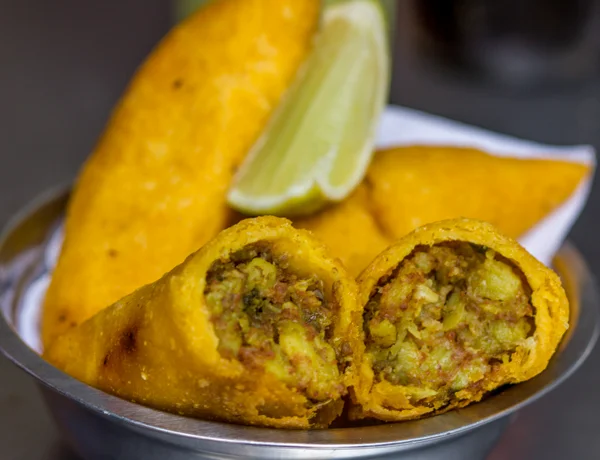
(65, 63)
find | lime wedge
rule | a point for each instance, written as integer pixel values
(319, 142)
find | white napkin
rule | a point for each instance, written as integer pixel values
(401, 126)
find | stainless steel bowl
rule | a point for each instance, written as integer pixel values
(101, 426)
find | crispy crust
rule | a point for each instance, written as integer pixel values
(154, 189)
(350, 230)
(548, 299)
(417, 185)
(406, 187)
(157, 346)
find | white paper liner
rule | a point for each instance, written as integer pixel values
(399, 126)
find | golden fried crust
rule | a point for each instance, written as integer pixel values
(349, 230)
(406, 187)
(413, 186)
(153, 191)
(158, 347)
(551, 311)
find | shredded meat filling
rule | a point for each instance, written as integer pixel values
(268, 317)
(445, 318)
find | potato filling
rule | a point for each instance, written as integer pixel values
(270, 318)
(445, 319)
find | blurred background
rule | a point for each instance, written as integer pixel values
(529, 68)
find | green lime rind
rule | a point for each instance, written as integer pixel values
(319, 142)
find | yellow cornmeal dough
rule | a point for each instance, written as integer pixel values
(406, 187)
(508, 309)
(153, 191)
(414, 186)
(166, 344)
(350, 230)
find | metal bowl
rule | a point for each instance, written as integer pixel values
(100, 426)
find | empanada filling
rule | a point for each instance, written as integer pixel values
(445, 319)
(269, 318)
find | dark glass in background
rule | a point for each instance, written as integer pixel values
(514, 42)
(528, 68)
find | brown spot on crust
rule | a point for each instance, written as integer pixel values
(62, 317)
(114, 364)
(112, 253)
(128, 340)
(178, 83)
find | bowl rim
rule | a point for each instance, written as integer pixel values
(574, 349)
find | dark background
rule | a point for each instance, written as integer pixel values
(64, 63)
